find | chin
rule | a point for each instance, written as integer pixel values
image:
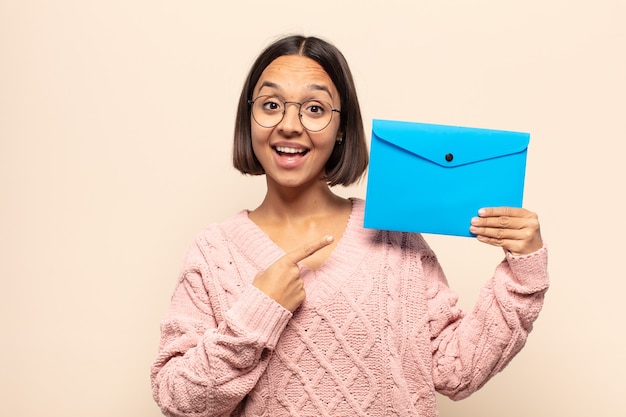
(294, 183)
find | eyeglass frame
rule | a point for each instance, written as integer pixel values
(299, 103)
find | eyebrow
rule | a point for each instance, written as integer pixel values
(321, 88)
(315, 87)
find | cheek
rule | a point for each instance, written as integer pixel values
(326, 140)
(259, 137)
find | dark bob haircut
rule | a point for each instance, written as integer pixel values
(349, 159)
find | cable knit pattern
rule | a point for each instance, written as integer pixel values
(378, 334)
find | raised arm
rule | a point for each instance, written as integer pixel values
(469, 349)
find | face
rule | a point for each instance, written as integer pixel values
(291, 155)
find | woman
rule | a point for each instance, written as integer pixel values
(295, 309)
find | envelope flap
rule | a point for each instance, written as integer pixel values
(450, 146)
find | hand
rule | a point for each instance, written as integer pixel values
(514, 229)
(282, 282)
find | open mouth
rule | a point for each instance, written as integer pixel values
(287, 151)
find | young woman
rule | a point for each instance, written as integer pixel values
(294, 309)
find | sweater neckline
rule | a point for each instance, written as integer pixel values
(261, 251)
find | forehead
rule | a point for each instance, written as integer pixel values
(294, 74)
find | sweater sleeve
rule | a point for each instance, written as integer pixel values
(469, 349)
(208, 361)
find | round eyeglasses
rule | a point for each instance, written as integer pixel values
(315, 115)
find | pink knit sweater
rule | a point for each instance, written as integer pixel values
(377, 335)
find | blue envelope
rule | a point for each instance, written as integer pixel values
(432, 178)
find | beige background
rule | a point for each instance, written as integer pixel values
(115, 129)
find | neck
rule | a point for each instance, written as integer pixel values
(298, 202)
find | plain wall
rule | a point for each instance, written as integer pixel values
(116, 121)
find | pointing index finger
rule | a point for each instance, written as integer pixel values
(309, 249)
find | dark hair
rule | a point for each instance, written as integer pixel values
(349, 159)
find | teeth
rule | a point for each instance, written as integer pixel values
(284, 149)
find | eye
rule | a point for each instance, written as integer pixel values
(271, 104)
(315, 108)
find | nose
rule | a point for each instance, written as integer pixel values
(291, 118)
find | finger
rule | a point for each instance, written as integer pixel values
(500, 235)
(501, 222)
(515, 245)
(516, 219)
(504, 212)
(496, 235)
(519, 236)
(309, 249)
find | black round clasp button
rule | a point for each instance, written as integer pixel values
(449, 157)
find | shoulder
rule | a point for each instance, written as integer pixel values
(211, 243)
(236, 240)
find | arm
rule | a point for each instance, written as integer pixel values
(469, 349)
(205, 366)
